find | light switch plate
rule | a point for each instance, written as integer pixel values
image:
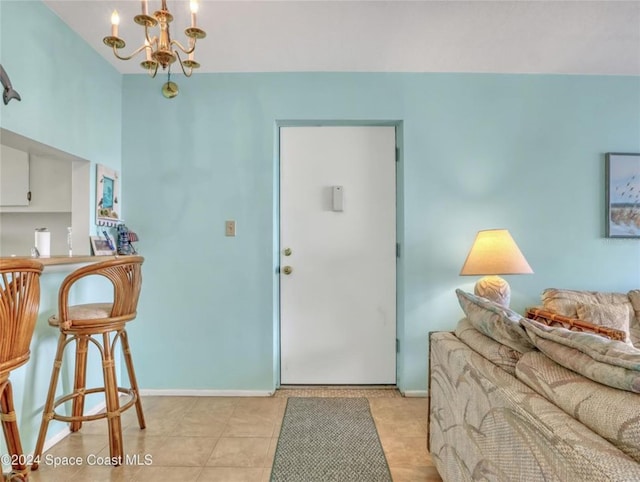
(230, 228)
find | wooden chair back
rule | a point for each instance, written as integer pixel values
(124, 273)
(19, 305)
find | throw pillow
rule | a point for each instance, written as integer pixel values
(612, 316)
(496, 321)
(605, 361)
(564, 302)
(634, 326)
(634, 299)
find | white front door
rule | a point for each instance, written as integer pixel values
(338, 237)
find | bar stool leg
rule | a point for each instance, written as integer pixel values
(132, 377)
(79, 383)
(47, 414)
(11, 434)
(112, 400)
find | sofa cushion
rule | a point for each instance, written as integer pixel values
(497, 353)
(634, 326)
(609, 362)
(611, 316)
(609, 412)
(566, 302)
(496, 321)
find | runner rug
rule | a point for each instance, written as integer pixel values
(329, 439)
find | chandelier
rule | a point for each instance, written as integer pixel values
(159, 48)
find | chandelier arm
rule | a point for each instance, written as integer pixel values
(185, 50)
(152, 40)
(136, 52)
(184, 71)
(155, 71)
(146, 34)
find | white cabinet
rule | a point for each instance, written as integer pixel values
(14, 177)
(48, 179)
(50, 185)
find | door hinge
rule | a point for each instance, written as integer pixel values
(29, 196)
(397, 345)
(397, 155)
(397, 250)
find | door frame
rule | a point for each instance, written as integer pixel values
(398, 124)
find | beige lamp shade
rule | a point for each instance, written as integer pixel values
(494, 252)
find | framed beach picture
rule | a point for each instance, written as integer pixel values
(623, 195)
(107, 196)
(102, 247)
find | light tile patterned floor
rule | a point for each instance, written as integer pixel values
(205, 439)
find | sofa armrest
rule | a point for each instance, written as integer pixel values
(486, 424)
(431, 333)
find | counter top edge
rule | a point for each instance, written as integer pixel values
(62, 260)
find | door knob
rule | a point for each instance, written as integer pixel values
(287, 270)
(287, 251)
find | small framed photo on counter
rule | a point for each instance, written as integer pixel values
(102, 246)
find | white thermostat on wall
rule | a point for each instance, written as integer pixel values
(337, 196)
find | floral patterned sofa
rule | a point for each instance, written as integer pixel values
(518, 399)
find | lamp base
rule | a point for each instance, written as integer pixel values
(495, 289)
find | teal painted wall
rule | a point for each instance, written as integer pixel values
(71, 100)
(523, 152)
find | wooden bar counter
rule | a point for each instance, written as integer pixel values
(62, 259)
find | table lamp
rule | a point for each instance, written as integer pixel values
(494, 252)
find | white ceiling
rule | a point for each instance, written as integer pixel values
(569, 37)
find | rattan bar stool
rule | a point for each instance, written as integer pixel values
(19, 303)
(95, 323)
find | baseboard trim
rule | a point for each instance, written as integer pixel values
(205, 393)
(59, 437)
(415, 393)
(65, 432)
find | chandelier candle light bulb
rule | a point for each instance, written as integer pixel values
(145, 7)
(194, 10)
(115, 21)
(147, 48)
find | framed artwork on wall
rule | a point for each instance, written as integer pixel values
(107, 196)
(623, 195)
